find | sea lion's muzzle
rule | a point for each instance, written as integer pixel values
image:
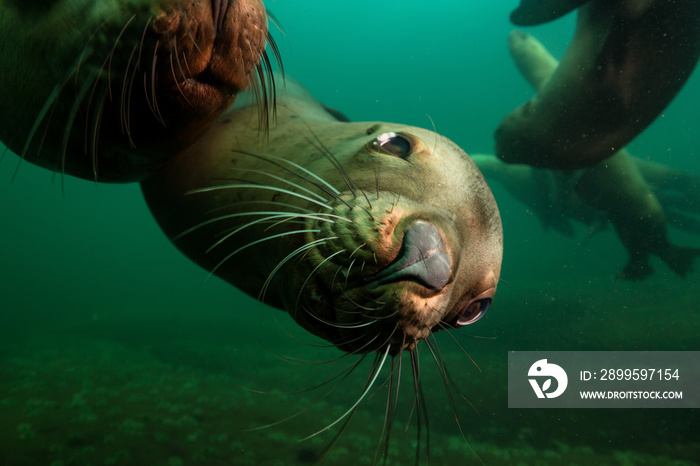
(422, 259)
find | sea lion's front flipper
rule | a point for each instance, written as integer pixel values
(533, 12)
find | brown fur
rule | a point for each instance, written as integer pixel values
(133, 81)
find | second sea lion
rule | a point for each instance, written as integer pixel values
(105, 90)
(624, 65)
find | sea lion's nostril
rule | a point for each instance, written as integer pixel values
(424, 259)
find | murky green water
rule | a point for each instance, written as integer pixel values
(114, 349)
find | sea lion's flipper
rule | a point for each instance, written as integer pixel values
(683, 222)
(533, 12)
(679, 258)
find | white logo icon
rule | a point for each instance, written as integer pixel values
(542, 369)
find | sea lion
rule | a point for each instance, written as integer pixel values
(371, 235)
(626, 62)
(105, 90)
(533, 12)
(553, 196)
(613, 190)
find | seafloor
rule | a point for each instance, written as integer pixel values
(140, 390)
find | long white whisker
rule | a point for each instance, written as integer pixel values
(313, 272)
(249, 224)
(261, 296)
(273, 214)
(257, 186)
(279, 178)
(308, 172)
(352, 408)
(258, 241)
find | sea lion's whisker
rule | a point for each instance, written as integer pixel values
(368, 203)
(389, 316)
(263, 290)
(275, 203)
(70, 120)
(325, 186)
(447, 382)
(421, 408)
(279, 178)
(48, 104)
(258, 241)
(143, 41)
(250, 224)
(130, 92)
(267, 158)
(258, 186)
(389, 414)
(396, 201)
(314, 345)
(373, 375)
(146, 96)
(448, 332)
(347, 274)
(364, 308)
(111, 55)
(125, 87)
(190, 35)
(434, 132)
(330, 157)
(335, 325)
(327, 259)
(270, 214)
(271, 16)
(177, 81)
(343, 375)
(461, 331)
(96, 132)
(154, 74)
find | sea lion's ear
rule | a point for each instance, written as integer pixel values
(534, 12)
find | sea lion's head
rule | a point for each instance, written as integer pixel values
(371, 235)
(106, 89)
(416, 247)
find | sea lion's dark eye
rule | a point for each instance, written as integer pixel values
(474, 311)
(394, 144)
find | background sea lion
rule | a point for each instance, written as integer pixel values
(625, 63)
(613, 190)
(533, 12)
(371, 235)
(104, 90)
(553, 196)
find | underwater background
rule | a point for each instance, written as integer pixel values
(116, 350)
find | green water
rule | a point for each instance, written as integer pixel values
(115, 349)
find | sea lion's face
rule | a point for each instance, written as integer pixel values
(106, 89)
(416, 246)
(370, 235)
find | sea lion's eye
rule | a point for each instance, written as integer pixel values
(474, 311)
(394, 144)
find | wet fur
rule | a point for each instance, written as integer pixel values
(106, 90)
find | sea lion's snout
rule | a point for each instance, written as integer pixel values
(423, 259)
